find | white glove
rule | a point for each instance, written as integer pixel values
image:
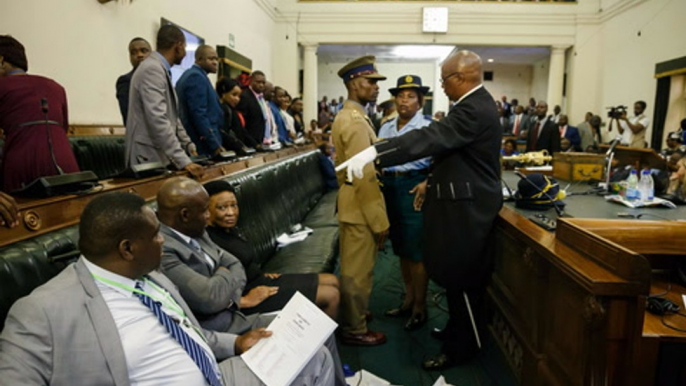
(357, 163)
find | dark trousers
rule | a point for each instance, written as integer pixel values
(460, 341)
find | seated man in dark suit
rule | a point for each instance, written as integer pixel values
(112, 319)
(139, 49)
(210, 279)
(569, 132)
(326, 165)
(543, 133)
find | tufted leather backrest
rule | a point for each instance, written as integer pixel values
(103, 155)
(28, 264)
(273, 198)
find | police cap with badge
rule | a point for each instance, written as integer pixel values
(362, 67)
(539, 192)
(411, 82)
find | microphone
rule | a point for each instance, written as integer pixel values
(44, 109)
(558, 210)
(613, 145)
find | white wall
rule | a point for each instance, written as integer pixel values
(511, 80)
(628, 60)
(82, 44)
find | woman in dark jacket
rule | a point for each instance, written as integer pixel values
(321, 288)
(234, 135)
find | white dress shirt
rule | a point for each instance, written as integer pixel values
(153, 356)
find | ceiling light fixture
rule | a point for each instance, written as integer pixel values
(422, 51)
(490, 60)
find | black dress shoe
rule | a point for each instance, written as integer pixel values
(415, 322)
(438, 362)
(369, 338)
(396, 312)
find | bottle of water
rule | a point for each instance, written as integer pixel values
(632, 192)
(646, 186)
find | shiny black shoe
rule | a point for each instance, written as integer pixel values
(438, 362)
(397, 312)
(415, 322)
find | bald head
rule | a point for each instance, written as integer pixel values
(206, 57)
(182, 205)
(460, 73)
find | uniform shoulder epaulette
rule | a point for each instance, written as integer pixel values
(354, 114)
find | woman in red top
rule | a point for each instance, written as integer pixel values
(33, 115)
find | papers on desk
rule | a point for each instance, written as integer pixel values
(286, 239)
(299, 331)
(657, 201)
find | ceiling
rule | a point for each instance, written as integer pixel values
(338, 53)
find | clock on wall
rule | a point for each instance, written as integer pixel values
(435, 19)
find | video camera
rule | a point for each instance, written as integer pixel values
(616, 112)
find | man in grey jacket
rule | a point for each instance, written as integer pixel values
(112, 319)
(154, 132)
(210, 279)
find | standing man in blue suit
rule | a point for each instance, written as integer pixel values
(200, 109)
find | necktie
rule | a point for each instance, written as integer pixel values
(516, 126)
(534, 136)
(195, 245)
(206, 365)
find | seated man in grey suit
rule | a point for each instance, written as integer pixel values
(154, 132)
(210, 279)
(112, 319)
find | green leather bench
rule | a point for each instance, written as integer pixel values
(272, 197)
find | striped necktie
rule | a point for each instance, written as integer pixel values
(207, 365)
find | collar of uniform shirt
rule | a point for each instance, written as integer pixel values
(470, 92)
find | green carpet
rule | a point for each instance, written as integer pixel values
(398, 361)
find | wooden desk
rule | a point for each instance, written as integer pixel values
(46, 215)
(568, 308)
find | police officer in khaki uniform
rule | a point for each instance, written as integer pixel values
(361, 208)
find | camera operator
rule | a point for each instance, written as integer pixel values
(632, 130)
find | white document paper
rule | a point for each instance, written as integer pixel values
(299, 331)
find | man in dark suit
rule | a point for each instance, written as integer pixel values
(210, 279)
(462, 200)
(254, 108)
(139, 49)
(543, 132)
(199, 107)
(569, 132)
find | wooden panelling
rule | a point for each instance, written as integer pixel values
(46, 215)
(89, 130)
(568, 308)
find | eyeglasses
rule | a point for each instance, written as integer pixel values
(449, 76)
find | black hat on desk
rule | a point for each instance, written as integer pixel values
(536, 192)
